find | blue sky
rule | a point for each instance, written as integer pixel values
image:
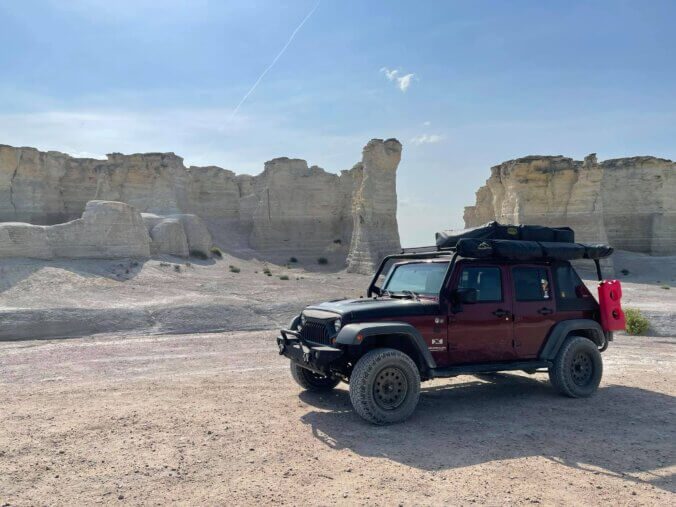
(490, 81)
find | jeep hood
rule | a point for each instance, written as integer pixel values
(355, 310)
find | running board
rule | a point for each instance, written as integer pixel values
(452, 371)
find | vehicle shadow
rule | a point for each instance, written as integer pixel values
(622, 431)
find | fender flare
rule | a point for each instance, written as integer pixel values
(349, 333)
(562, 329)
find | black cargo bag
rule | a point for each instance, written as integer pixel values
(494, 230)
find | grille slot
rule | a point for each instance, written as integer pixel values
(316, 332)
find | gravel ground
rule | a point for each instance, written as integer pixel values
(216, 419)
(151, 413)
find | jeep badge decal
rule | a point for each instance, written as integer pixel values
(437, 341)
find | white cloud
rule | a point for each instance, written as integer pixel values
(427, 123)
(426, 139)
(403, 82)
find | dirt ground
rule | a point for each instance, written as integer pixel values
(216, 419)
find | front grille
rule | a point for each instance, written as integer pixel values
(316, 332)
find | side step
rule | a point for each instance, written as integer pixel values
(451, 371)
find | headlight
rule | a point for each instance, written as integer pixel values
(337, 324)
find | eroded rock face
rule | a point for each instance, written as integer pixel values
(374, 206)
(288, 210)
(107, 230)
(629, 202)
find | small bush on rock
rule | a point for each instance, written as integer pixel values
(283, 277)
(322, 260)
(216, 252)
(234, 269)
(293, 260)
(637, 324)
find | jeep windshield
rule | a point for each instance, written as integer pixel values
(414, 279)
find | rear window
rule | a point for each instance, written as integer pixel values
(568, 283)
(531, 284)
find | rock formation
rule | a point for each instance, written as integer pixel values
(374, 212)
(628, 202)
(289, 209)
(106, 230)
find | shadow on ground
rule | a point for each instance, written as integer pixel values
(622, 431)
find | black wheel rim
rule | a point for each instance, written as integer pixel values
(582, 369)
(390, 388)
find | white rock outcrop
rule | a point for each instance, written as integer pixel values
(180, 234)
(628, 202)
(106, 230)
(289, 209)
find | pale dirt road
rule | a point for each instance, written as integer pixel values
(215, 419)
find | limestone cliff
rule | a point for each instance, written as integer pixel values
(289, 209)
(629, 202)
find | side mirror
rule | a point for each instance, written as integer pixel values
(464, 296)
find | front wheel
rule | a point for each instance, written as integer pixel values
(385, 386)
(577, 368)
(311, 381)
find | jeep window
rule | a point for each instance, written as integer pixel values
(486, 280)
(531, 284)
(568, 283)
(418, 277)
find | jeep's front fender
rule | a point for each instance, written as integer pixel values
(559, 331)
(358, 334)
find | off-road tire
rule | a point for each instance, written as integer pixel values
(577, 368)
(385, 386)
(311, 381)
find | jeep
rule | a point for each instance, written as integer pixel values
(446, 312)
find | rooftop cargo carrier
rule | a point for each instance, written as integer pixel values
(494, 230)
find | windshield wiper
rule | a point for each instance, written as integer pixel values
(412, 294)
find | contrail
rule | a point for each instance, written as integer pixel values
(275, 60)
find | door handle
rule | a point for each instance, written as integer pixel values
(501, 313)
(545, 311)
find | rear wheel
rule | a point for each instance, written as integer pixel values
(577, 368)
(385, 386)
(311, 381)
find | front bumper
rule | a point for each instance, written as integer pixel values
(317, 358)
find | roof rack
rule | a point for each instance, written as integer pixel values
(427, 250)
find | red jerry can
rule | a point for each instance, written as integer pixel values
(610, 301)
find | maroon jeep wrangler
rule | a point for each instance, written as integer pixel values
(473, 308)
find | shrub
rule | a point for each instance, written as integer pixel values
(234, 269)
(293, 260)
(177, 268)
(266, 271)
(637, 324)
(283, 277)
(338, 241)
(625, 272)
(666, 287)
(216, 252)
(199, 254)
(322, 260)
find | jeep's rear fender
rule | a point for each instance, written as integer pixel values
(360, 338)
(562, 329)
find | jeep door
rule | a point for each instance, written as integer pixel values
(481, 331)
(534, 308)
